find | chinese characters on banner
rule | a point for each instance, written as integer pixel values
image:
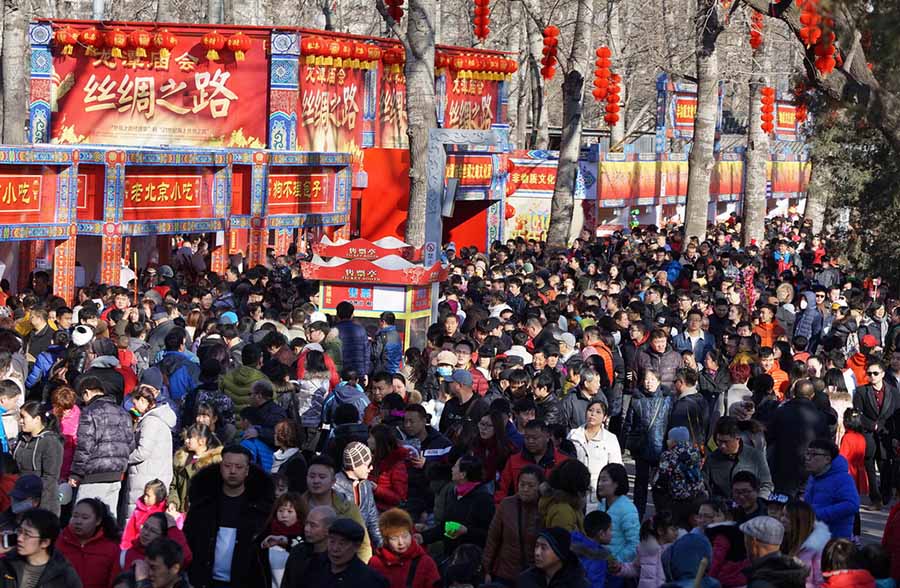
(392, 120)
(532, 177)
(164, 196)
(331, 103)
(685, 109)
(470, 170)
(361, 298)
(20, 193)
(179, 99)
(786, 119)
(471, 103)
(299, 193)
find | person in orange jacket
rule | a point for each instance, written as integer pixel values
(768, 329)
(768, 363)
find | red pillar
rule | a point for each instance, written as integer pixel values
(64, 269)
(28, 253)
(110, 258)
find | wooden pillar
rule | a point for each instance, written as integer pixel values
(283, 240)
(64, 269)
(111, 258)
(259, 240)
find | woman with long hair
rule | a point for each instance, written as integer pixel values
(67, 413)
(208, 414)
(35, 561)
(39, 450)
(151, 458)
(287, 459)
(836, 389)
(595, 445)
(493, 447)
(201, 449)
(389, 471)
(91, 543)
(805, 538)
(305, 404)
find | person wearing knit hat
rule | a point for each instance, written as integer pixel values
(353, 484)
(401, 559)
(554, 563)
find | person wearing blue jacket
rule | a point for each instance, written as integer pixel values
(387, 351)
(809, 321)
(181, 368)
(830, 491)
(590, 547)
(43, 363)
(355, 347)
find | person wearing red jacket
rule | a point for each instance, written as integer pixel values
(389, 471)
(91, 544)
(538, 450)
(157, 525)
(333, 377)
(890, 540)
(401, 560)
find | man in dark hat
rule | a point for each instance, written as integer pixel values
(554, 563)
(345, 568)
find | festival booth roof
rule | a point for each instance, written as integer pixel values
(367, 250)
(388, 269)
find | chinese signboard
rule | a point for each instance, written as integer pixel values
(360, 297)
(471, 103)
(392, 111)
(471, 170)
(331, 103)
(533, 177)
(685, 110)
(21, 194)
(298, 193)
(153, 196)
(181, 98)
(785, 120)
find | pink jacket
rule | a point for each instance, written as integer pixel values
(68, 426)
(647, 565)
(811, 554)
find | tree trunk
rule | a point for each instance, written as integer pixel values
(514, 85)
(14, 59)
(165, 12)
(540, 131)
(670, 30)
(701, 160)
(420, 110)
(616, 38)
(214, 10)
(757, 152)
(520, 137)
(563, 203)
(817, 195)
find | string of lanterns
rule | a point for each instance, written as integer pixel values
(817, 33)
(551, 45)
(142, 41)
(395, 9)
(767, 116)
(340, 53)
(757, 22)
(482, 19)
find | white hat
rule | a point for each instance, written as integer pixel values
(318, 316)
(82, 335)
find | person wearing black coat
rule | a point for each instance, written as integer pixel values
(796, 423)
(470, 504)
(233, 492)
(548, 407)
(689, 409)
(877, 402)
(58, 572)
(41, 454)
(713, 383)
(555, 565)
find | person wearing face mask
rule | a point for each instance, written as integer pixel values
(808, 322)
(401, 560)
(24, 495)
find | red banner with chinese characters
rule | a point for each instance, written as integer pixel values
(785, 119)
(28, 196)
(536, 177)
(685, 109)
(150, 196)
(361, 297)
(331, 108)
(182, 98)
(470, 170)
(471, 103)
(296, 192)
(392, 120)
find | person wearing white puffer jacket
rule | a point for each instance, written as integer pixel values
(595, 445)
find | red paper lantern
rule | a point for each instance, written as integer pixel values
(604, 52)
(612, 107)
(140, 41)
(756, 29)
(91, 37)
(611, 118)
(66, 38)
(239, 44)
(550, 46)
(481, 18)
(116, 40)
(395, 9)
(213, 42)
(509, 211)
(164, 42)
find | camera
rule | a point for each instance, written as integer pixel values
(9, 540)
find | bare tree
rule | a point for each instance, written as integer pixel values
(578, 63)
(700, 164)
(15, 75)
(757, 150)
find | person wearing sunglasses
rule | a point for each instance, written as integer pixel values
(876, 402)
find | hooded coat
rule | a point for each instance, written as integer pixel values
(682, 559)
(201, 526)
(391, 479)
(236, 384)
(182, 370)
(105, 441)
(809, 322)
(152, 455)
(42, 455)
(96, 561)
(595, 453)
(833, 496)
(184, 466)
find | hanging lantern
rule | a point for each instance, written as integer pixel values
(140, 41)
(239, 44)
(611, 118)
(395, 9)
(164, 41)
(213, 42)
(91, 37)
(551, 43)
(602, 73)
(509, 211)
(801, 113)
(116, 40)
(481, 18)
(756, 28)
(66, 38)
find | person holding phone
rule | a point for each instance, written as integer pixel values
(35, 562)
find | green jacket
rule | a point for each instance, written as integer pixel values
(236, 384)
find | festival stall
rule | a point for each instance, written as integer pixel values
(377, 276)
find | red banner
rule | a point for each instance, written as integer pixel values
(470, 170)
(179, 99)
(299, 193)
(331, 106)
(157, 196)
(421, 299)
(685, 110)
(785, 118)
(361, 271)
(20, 193)
(537, 177)
(392, 120)
(471, 103)
(27, 195)
(360, 297)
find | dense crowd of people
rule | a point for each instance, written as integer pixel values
(636, 410)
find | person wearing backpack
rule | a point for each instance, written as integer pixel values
(401, 559)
